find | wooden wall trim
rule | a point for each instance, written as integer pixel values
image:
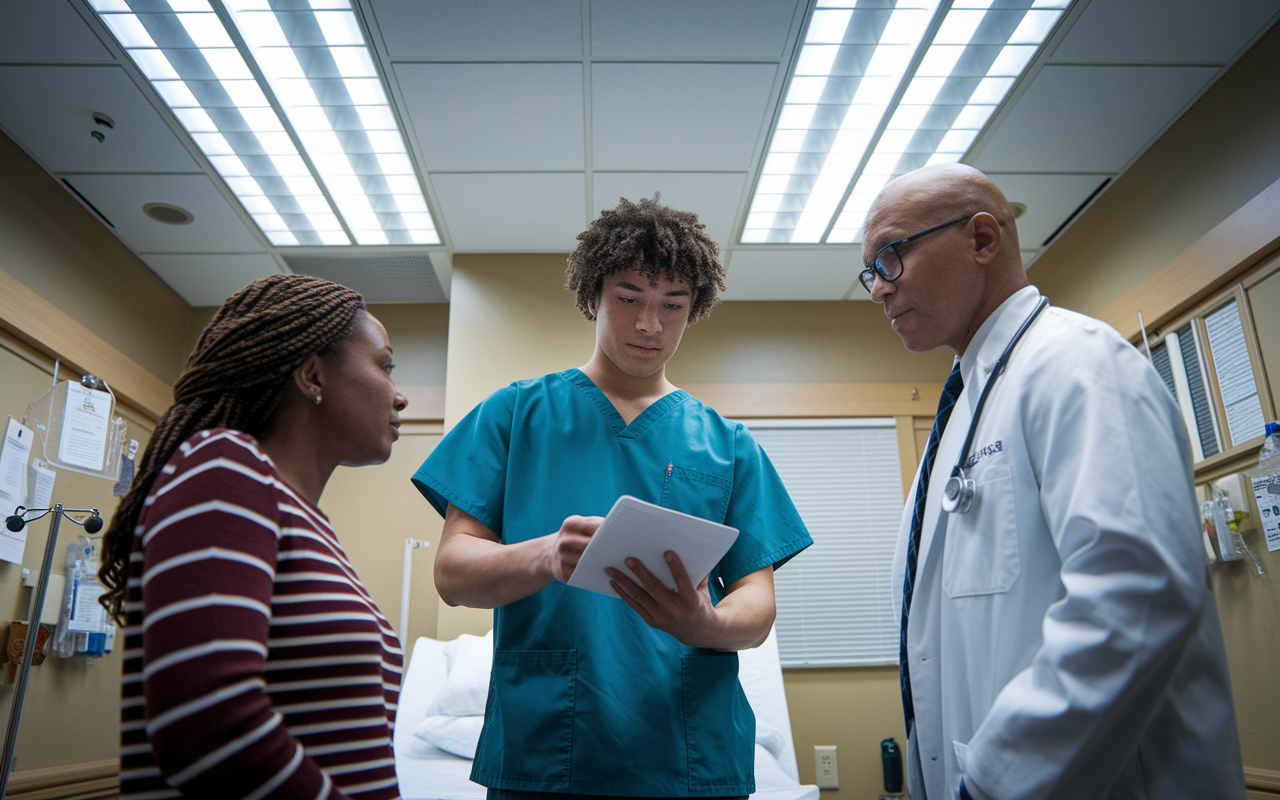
(40, 323)
(1258, 778)
(32, 780)
(800, 400)
(426, 403)
(1230, 248)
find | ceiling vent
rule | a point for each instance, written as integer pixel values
(168, 214)
(381, 278)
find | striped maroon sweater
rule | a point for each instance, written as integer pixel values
(256, 665)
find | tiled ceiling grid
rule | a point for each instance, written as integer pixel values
(528, 119)
(524, 119)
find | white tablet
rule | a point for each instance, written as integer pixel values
(640, 530)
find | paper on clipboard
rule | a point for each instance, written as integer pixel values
(640, 530)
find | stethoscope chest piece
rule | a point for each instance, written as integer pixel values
(958, 494)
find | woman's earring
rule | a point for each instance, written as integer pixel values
(317, 398)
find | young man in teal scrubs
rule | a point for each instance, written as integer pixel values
(591, 695)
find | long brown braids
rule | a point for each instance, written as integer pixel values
(657, 239)
(234, 378)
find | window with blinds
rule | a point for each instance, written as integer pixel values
(1207, 365)
(835, 600)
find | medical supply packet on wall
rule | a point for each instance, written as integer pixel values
(1266, 486)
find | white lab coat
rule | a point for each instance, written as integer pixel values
(1063, 641)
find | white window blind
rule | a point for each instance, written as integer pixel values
(1235, 374)
(835, 600)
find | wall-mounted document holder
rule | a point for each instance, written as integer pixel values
(78, 427)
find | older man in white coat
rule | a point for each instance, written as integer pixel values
(1059, 636)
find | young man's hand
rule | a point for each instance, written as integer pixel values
(686, 613)
(566, 548)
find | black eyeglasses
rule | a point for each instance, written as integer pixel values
(888, 263)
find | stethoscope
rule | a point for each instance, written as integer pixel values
(959, 493)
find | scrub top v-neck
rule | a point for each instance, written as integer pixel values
(585, 697)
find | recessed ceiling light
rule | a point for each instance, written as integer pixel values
(319, 70)
(1018, 209)
(168, 213)
(840, 138)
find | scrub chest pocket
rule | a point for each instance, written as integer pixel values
(981, 555)
(696, 492)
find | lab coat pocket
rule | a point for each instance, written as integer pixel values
(528, 732)
(981, 548)
(720, 745)
(696, 492)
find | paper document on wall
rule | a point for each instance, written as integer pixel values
(40, 485)
(14, 452)
(640, 530)
(1235, 374)
(85, 424)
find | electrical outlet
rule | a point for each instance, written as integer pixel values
(825, 767)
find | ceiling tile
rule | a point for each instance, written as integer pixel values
(49, 110)
(1163, 31)
(434, 29)
(677, 116)
(512, 212)
(712, 196)
(496, 116)
(1050, 201)
(737, 29)
(208, 280)
(47, 30)
(1089, 119)
(216, 227)
(796, 274)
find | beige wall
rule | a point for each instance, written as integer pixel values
(56, 247)
(419, 334)
(511, 318)
(373, 510)
(1224, 151)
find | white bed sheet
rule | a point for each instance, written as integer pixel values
(428, 773)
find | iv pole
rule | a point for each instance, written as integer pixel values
(16, 523)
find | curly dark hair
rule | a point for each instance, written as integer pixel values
(657, 240)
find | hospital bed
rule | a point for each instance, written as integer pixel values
(427, 772)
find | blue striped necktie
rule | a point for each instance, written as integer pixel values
(948, 401)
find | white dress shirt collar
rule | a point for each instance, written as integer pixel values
(992, 337)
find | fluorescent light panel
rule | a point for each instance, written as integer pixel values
(317, 64)
(839, 96)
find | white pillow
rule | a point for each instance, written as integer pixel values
(457, 735)
(466, 688)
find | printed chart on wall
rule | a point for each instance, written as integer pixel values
(14, 454)
(84, 427)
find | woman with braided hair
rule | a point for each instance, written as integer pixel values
(256, 664)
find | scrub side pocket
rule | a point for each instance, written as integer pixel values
(981, 555)
(695, 492)
(719, 726)
(528, 734)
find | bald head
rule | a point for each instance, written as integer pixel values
(945, 191)
(954, 278)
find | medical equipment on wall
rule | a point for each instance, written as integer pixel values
(16, 522)
(1265, 482)
(405, 587)
(959, 493)
(83, 626)
(78, 430)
